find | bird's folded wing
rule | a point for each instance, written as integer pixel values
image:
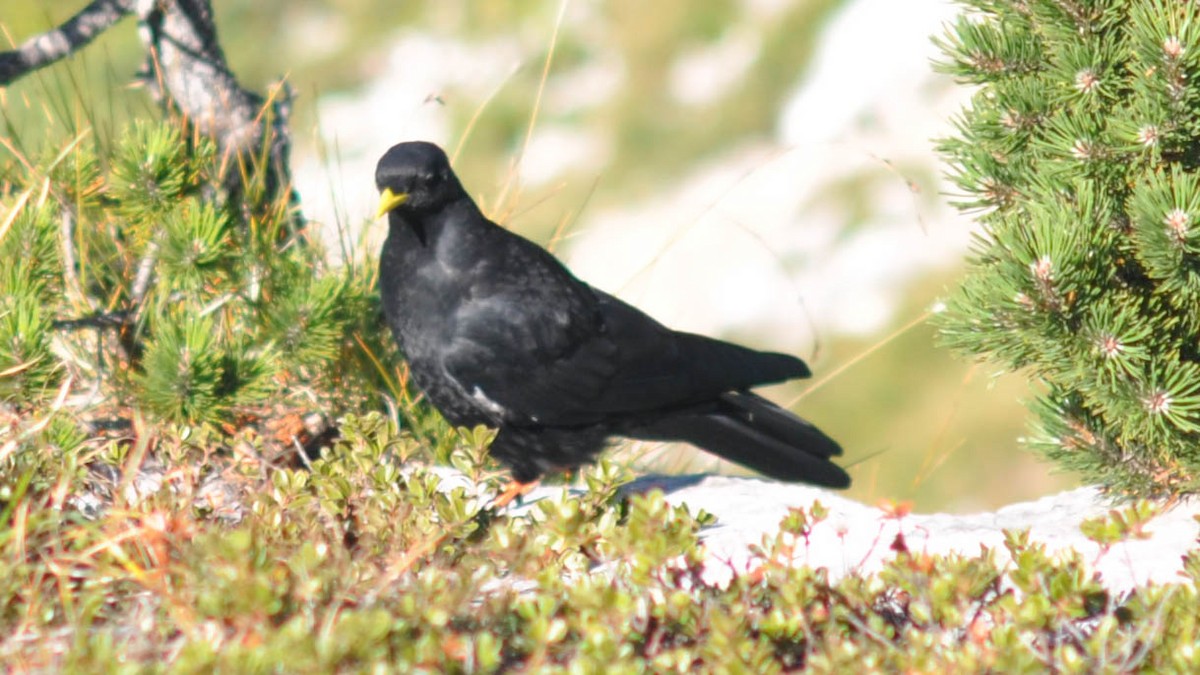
(530, 362)
(582, 365)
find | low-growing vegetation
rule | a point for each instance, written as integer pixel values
(215, 557)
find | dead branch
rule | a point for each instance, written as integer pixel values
(185, 70)
(51, 46)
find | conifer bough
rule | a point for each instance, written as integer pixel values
(1079, 153)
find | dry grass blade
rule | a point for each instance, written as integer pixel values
(11, 216)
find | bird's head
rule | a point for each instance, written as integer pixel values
(415, 176)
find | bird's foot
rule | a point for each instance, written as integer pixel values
(513, 491)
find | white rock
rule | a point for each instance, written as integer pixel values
(857, 539)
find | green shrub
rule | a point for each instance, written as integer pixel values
(1078, 152)
(129, 273)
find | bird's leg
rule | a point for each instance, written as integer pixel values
(514, 490)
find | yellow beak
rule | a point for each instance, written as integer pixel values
(389, 200)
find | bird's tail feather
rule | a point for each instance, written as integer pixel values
(759, 435)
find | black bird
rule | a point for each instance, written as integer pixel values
(498, 332)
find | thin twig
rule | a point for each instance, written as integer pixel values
(98, 321)
(145, 273)
(70, 260)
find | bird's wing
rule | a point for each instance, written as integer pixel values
(584, 357)
(531, 356)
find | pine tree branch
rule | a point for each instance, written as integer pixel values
(186, 68)
(54, 45)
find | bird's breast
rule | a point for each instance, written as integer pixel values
(414, 285)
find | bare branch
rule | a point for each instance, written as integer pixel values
(186, 70)
(98, 321)
(51, 46)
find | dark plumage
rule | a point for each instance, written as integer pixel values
(498, 332)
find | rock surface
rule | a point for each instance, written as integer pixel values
(856, 538)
